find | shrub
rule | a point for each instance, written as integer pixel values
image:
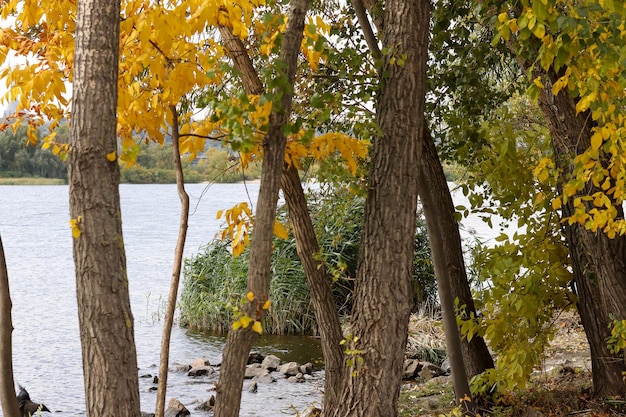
(214, 281)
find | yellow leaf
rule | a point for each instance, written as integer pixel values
(556, 203)
(267, 304)
(538, 83)
(245, 321)
(236, 325)
(596, 140)
(280, 231)
(257, 327)
(75, 226)
(250, 296)
(112, 156)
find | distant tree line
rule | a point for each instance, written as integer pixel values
(154, 162)
(19, 159)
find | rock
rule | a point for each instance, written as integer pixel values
(176, 409)
(181, 368)
(446, 365)
(296, 378)
(311, 411)
(200, 362)
(289, 368)
(255, 370)
(255, 357)
(430, 370)
(201, 371)
(307, 368)
(252, 387)
(145, 376)
(207, 405)
(155, 380)
(271, 362)
(411, 367)
(144, 414)
(264, 379)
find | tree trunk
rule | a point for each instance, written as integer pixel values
(598, 262)
(382, 294)
(477, 358)
(104, 312)
(178, 262)
(306, 241)
(442, 272)
(319, 286)
(7, 383)
(240, 341)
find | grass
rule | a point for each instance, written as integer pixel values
(32, 181)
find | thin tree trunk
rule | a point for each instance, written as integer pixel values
(383, 291)
(240, 341)
(319, 286)
(178, 262)
(7, 383)
(104, 311)
(476, 355)
(307, 245)
(442, 272)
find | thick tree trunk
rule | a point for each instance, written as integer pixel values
(240, 341)
(178, 262)
(382, 294)
(105, 317)
(7, 384)
(306, 241)
(599, 263)
(477, 358)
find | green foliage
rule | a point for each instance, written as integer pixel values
(214, 280)
(155, 165)
(524, 274)
(17, 159)
(617, 340)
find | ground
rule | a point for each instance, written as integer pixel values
(561, 388)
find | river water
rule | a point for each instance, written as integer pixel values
(47, 357)
(46, 346)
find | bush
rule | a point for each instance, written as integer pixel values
(214, 281)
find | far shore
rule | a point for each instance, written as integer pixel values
(32, 181)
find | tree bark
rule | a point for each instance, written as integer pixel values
(104, 311)
(442, 272)
(477, 358)
(307, 245)
(7, 383)
(240, 341)
(178, 262)
(598, 263)
(383, 281)
(319, 286)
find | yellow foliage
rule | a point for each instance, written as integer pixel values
(75, 227)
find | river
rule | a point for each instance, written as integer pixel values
(46, 346)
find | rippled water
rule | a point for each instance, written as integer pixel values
(47, 358)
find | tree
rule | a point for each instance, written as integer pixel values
(241, 339)
(105, 317)
(569, 51)
(7, 384)
(381, 310)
